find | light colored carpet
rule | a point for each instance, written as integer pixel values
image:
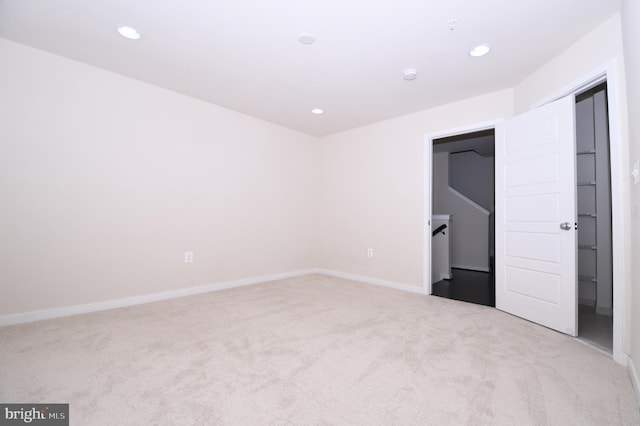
(311, 350)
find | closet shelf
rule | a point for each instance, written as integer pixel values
(586, 152)
(591, 215)
(587, 279)
(587, 247)
(586, 184)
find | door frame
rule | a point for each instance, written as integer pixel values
(428, 188)
(618, 146)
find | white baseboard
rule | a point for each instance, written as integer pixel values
(374, 281)
(604, 311)
(472, 268)
(145, 298)
(635, 380)
(586, 302)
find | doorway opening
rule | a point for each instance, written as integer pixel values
(463, 194)
(595, 263)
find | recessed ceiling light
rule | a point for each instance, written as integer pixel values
(128, 32)
(480, 50)
(317, 111)
(306, 38)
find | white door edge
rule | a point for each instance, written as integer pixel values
(536, 243)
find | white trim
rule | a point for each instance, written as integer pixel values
(142, 299)
(428, 175)
(470, 201)
(583, 84)
(471, 268)
(471, 128)
(370, 280)
(442, 216)
(427, 280)
(635, 380)
(604, 311)
(586, 302)
(619, 203)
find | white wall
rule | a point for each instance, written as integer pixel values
(473, 175)
(631, 36)
(106, 181)
(372, 189)
(600, 46)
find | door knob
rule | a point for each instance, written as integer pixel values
(566, 226)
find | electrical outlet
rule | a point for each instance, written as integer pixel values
(370, 252)
(188, 257)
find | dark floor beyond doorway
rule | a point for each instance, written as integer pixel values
(468, 286)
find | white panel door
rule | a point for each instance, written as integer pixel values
(536, 216)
